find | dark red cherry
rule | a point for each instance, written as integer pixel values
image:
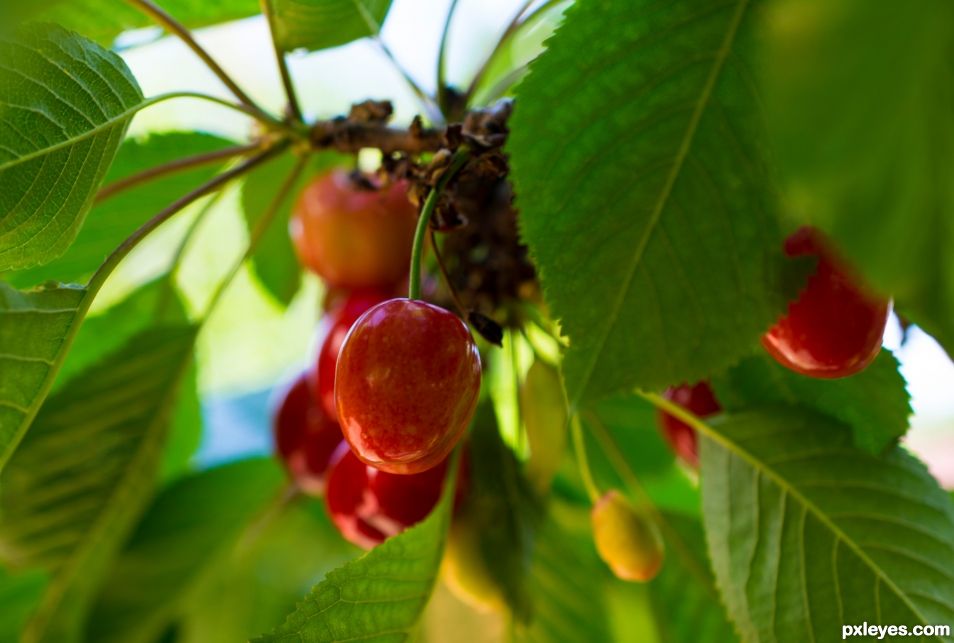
(339, 321)
(700, 401)
(368, 505)
(406, 385)
(305, 437)
(835, 327)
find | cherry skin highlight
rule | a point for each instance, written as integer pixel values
(305, 437)
(352, 236)
(406, 385)
(700, 401)
(341, 319)
(368, 505)
(835, 327)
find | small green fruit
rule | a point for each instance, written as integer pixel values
(628, 541)
(544, 415)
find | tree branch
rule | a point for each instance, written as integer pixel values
(351, 137)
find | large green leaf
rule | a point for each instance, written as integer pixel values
(19, 594)
(190, 527)
(567, 583)
(684, 597)
(103, 20)
(113, 220)
(65, 104)
(807, 532)
(86, 471)
(381, 595)
(862, 101)
(320, 24)
(644, 192)
(34, 327)
(874, 403)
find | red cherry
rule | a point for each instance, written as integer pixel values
(698, 399)
(340, 320)
(406, 385)
(835, 327)
(368, 505)
(351, 236)
(305, 437)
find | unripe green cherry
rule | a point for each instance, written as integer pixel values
(627, 540)
(544, 415)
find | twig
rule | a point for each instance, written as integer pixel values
(261, 227)
(173, 167)
(349, 137)
(433, 111)
(294, 108)
(175, 27)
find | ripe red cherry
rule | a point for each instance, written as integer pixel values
(340, 320)
(699, 400)
(305, 437)
(368, 505)
(835, 327)
(354, 237)
(406, 385)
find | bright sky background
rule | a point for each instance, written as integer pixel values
(265, 345)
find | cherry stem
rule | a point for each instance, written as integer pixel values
(158, 15)
(258, 231)
(427, 102)
(583, 464)
(294, 107)
(461, 309)
(173, 167)
(441, 59)
(417, 250)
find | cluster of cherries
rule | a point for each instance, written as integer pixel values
(833, 329)
(370, 424)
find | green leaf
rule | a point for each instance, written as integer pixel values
(86, 471)
(644, 192)
(155, 303)
(872, 81)
(103, 20)
(502, 508)
(19, 594)
(275, 261)
(807, 533)
(381, 595)
(567, 582)
(874, 403)
(190, 527)
(34, 327)
(65, 104)
(684, 597)
(113, 220)
(320, 24)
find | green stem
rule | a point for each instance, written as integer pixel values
(261, 227)
(618, 461)
(441, 60)
(583, 463)
(417, 250)
(160, 17)
(433, 112)
(294, 107)
(179, 165)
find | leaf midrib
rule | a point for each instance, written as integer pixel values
(681, 154)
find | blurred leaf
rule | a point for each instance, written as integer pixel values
(113, 220)
(260, 584)
(503, 510)
(155, 303)
(644, 192)
(33, 336)
(684, 596)
(190, 528)
(567, 583)
(807, 532)
(275, 261)
(65, 104)
(382, 594)
(19, 594)
(86, 471)
(862, 103)
(874, 403)
(320, 24)
(104, 20)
